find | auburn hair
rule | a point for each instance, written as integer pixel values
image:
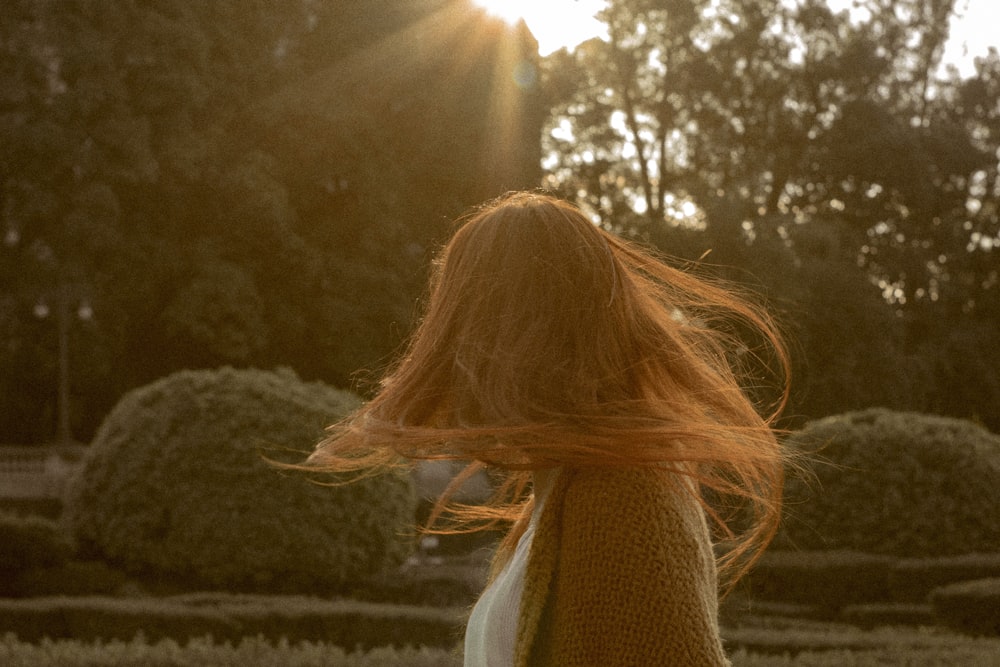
(547, 342)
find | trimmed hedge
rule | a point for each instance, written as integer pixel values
(913, 579)
(70, 578)
(438, 583)
(815, 643)
(49, 508)
(874, 615)
(175, 489)
(256, 652)
(31, 541)
(762, 641)
(345, 623)
(895, 483)
(970, 606)
(792, 641)
(862, 586)
(767, 643)
(959, 656)
(824, 579)
(35, 559)
(260, 653)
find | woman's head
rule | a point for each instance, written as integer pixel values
(538, 318)
(527, 317)
(547, 341)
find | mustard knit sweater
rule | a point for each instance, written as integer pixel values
(620, 572)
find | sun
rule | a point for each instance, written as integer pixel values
(554, 23)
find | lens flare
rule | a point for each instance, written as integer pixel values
(555, 24)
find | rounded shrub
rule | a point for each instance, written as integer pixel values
(895, 483)
(176, 487)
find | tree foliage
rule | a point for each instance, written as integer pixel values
(257, 183)
(238, 182)
(755, 129)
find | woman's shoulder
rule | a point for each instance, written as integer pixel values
(630, 556)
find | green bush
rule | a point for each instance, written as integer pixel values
(435, 582)
(35, 559)
(771, 643)
(824, 579)
(105, 619)
(176, 488)
(50, 508)
(443, 591)
(70, 578)
(970, 606)
(27, 543)
(203, 652)
(913, 579)
(959, 656)
(895, 483)
(345, 623)
(862, 589)
(873, 615)
(781, 638)
(261, 653)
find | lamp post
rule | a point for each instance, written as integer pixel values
(65, 291)
(63, 319)
(65, 297)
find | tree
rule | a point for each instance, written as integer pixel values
(248, 183)
(69, 139)
(737, 126)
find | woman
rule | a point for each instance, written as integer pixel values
(614, 387)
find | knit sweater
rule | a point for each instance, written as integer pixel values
(621, 572)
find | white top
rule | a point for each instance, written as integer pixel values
(491, 633)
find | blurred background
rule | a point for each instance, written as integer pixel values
(217, 220)
(261, 184)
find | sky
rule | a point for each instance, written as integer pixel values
(557, 23)
(554, 23)
(973, 33)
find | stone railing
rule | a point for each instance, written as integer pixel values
(37, 472)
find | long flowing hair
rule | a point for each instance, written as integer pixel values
(548, 342)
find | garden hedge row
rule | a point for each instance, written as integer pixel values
(791, 641)
(49, 508)
(834, 579)
(870, 590)
(28, 542)
(36, 559)
(71, 578)
(203, 652)
(748, 648)
(970, 606)
(828, 580)
(348, 624)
